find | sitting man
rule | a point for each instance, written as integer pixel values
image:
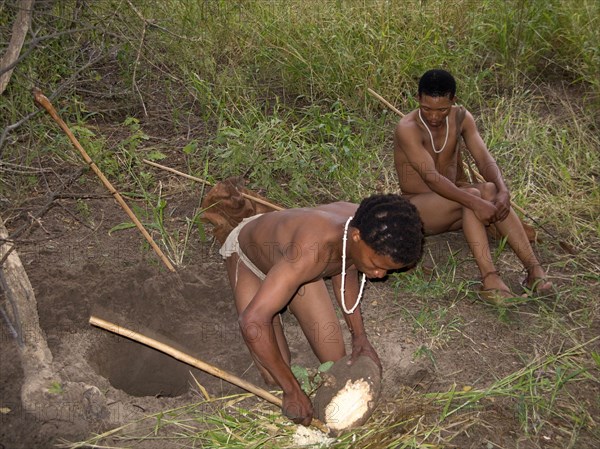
(280, 259)
(426, 155)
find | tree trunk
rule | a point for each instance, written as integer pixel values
(19, 31)
(21, 311)
(78, 405)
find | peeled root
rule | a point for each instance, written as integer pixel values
(349, 394)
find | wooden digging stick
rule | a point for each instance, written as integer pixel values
(43, 101)
(194, 178)
(385, 102)
(197, 363)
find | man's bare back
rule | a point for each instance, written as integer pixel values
(279, 260)
(290, 234)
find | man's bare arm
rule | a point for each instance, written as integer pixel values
(256, 323)
(486, 164)
(408, 141)
(354, 321)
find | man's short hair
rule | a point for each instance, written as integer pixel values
(391, 226)
(437, 83)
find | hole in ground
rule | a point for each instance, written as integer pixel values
(137, 369)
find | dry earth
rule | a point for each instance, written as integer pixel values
(77, 269)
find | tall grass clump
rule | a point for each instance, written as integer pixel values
(336, 49)
(302, 157)
(228, 63)
(276, 92)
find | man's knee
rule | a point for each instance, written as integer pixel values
(488, 190)
(485, 190)
(475, 191)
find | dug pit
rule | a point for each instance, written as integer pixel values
(137, 369)
(191, 312)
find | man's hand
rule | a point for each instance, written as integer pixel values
(297, 407)
(362, 346)
(502, 203)
(486, 212)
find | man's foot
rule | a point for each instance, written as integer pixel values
(495, 296)
(538, 286)
(494, 290)
(536, 283)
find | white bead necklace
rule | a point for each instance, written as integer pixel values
(431, 135)
(364, 276)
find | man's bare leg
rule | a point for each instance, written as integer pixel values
(493, 287)
(517, 239)
(245, 284)
(314, 310)
(438, 214)
(512, 228)
(442, 215)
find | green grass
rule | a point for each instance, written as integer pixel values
(540, 395)
(277, 92)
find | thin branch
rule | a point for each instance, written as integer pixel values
(49, 204)
(138, 55)
(9, 128)
(135, 66)
(20, 169)
(37, 40)
(54, 94)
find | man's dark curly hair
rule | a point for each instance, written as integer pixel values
(437, 83)
(391, 226)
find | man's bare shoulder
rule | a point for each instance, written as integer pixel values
(408, 122)
(406, 130)
(339, 207)
(297, 222)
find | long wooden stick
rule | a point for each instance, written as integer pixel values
(197, 363)
(194, 178)
(43, 101)
(385, 102)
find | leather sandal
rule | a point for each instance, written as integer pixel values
(495, 296)
(540, 287)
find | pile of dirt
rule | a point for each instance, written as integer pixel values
(79, 269)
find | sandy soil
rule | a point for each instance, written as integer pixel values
(77, 269)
